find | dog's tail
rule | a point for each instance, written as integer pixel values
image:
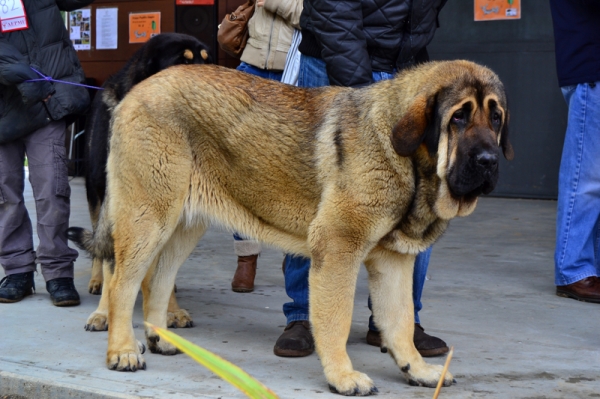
(98, 243)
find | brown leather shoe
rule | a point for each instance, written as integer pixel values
(586, 290)
(427, 345)
(243, 279)
(374, 338)
(296, 340)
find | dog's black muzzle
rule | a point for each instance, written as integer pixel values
(476, 175)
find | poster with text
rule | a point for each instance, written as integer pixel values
(143, 26)
(491, 10)
(80, 28)
(107, 36)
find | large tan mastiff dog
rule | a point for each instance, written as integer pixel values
(343, 176)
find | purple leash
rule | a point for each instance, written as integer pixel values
(48, 78)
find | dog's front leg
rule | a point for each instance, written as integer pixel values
(332, 282)
(390, 285)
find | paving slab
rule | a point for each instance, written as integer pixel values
(490, 295)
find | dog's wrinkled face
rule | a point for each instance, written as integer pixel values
(476, 125)
(463, 123)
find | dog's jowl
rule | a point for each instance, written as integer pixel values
(341, 175)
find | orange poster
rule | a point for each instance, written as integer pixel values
(490, 10)
(143, 25)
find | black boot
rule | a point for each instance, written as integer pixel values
(15, 287)
(427, 345)
(296, 340)
(62, 292)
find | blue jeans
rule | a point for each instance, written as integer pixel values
(577, 253)
(314, 74)
(263, 73)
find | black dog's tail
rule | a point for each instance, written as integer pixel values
(97, 243)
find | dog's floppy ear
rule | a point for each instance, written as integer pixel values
(417, 124)
(507, 148)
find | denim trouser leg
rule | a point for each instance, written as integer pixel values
(312, 73)
(296, 286)
(577, 223)
(419, 276)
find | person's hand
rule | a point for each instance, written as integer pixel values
(260, 3)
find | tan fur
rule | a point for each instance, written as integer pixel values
(316, 172)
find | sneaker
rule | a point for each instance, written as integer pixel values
(15, 287)
(62, 292)
(296, 340)
(427, 345)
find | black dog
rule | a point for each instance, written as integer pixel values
(160, 52)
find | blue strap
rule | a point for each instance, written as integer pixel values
(48, 78)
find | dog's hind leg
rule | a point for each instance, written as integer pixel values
(94, 205)
(96, 281)
(98, 320)
(135, 255)
(390, 286)
(158, 284)
(176, 316)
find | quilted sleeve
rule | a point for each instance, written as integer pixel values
(338, 26)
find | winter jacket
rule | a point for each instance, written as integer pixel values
(270, 33)
(46, 47)
(357, 37)
(577, 40)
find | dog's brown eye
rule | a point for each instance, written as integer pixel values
(458, 116)
(496, 117)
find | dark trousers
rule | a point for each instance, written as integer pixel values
(48, 175)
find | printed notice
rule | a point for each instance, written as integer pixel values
(80, 28)
(490, 10)
(106, 28)
(143, 26)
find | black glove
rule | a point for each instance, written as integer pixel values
(33, 92)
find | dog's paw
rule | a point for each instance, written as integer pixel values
(156, 345)
(426, 376)
(97, 322)
(126, 360)
(95, 287)
(353, 384)
(179, 319)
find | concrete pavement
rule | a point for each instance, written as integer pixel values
(490, 295)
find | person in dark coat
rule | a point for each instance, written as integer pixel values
(34, 44)
(355, 43)
(577, 48)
